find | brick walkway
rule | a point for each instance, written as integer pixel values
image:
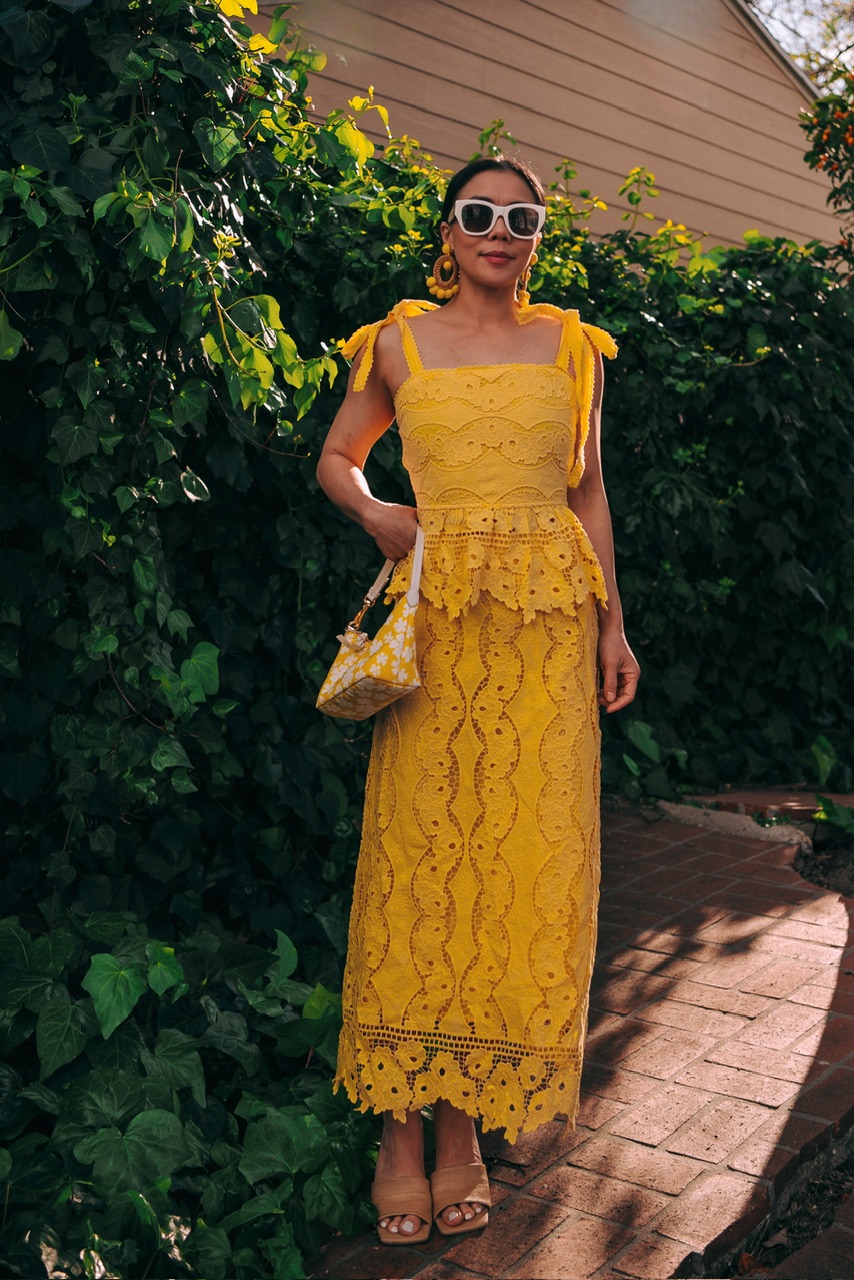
(720, 1060)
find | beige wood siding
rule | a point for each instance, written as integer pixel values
(688, 88)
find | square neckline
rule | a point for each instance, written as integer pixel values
(406, 332)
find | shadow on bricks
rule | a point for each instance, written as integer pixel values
(720, 1060)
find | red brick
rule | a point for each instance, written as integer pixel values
(668, 1053)
(576, 1251)
(594, 1112)
(737, 1084)
(611, 1082)
(631, 916)
(701, 888)
(754, 900)
(810, 952)
(623, 990)
(592, 1193)
(629, 1162)
(373, 1260)
(826, 998)
(832, 1100)
(618, 1042)
(662, 880)
(780, 877)
(767, 1062)
(716, 851)
(668, 944)
(836, 979)
(651, 962)
(515, 1227)
(779, 978)
(734, 969)
(775, 855)
(691, 923)
(764, 1160)
(720, 998)
(686, 1017)
(826, 1257)
(717, 1214)
(517, 1162)
(734, 927)
(655, 1119)
(599, 1022)
(831, 1043)
(827, 934)
(717, 1132)
(781, 1026)
(825, 908)
(796, 1132)
(654, 1258)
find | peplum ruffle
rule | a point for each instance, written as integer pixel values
(532, 558)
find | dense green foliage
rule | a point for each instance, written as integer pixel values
(181, 246)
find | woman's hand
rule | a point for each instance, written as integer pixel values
(619, 671)
(392, 527)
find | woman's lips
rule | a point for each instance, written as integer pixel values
(497, 257)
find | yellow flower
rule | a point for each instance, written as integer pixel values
(531, 1072)
(479, 1064)
(410, 1055)
(383, 1079)
(448, 1080)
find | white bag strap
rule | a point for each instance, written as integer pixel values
(384, 575)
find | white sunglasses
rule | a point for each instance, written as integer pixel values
(478, 217)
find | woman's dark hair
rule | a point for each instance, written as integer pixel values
(487, 164)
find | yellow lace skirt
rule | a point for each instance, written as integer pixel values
(473, 926)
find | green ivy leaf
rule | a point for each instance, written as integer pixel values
(152, 1147)
(640, 734)
(327, 1199)
(201, 667)
(74, 440)
(10, 338)
(115, 989)
(155, 238)
(63, 1030)
(168, 754)
(175, 1059)
(164, 971)
(281, 1143)
(219, 143)
(44, 148)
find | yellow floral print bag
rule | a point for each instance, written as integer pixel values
(369, 674)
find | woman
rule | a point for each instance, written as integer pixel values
(474, 917)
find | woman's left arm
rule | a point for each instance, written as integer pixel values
(619, 669)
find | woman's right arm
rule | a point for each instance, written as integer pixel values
(363, 417)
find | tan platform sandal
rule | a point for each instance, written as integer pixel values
(460, 1184)
(403, 1198)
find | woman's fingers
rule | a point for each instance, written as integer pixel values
(620, 675)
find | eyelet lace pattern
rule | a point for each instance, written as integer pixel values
(473, 925)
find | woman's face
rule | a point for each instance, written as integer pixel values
(497, 259)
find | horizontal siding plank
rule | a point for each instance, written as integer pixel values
(698, 40)
(569, 87)
(587, 58)
(594, 101)
(628, 141)
(708, 206)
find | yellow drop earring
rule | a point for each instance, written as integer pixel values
(445, 280)
(523, 297)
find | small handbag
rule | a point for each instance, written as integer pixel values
(368, 674)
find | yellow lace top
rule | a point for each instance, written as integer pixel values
(490, 451)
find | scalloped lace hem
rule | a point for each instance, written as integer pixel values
(537, 559)
(507, 1086)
